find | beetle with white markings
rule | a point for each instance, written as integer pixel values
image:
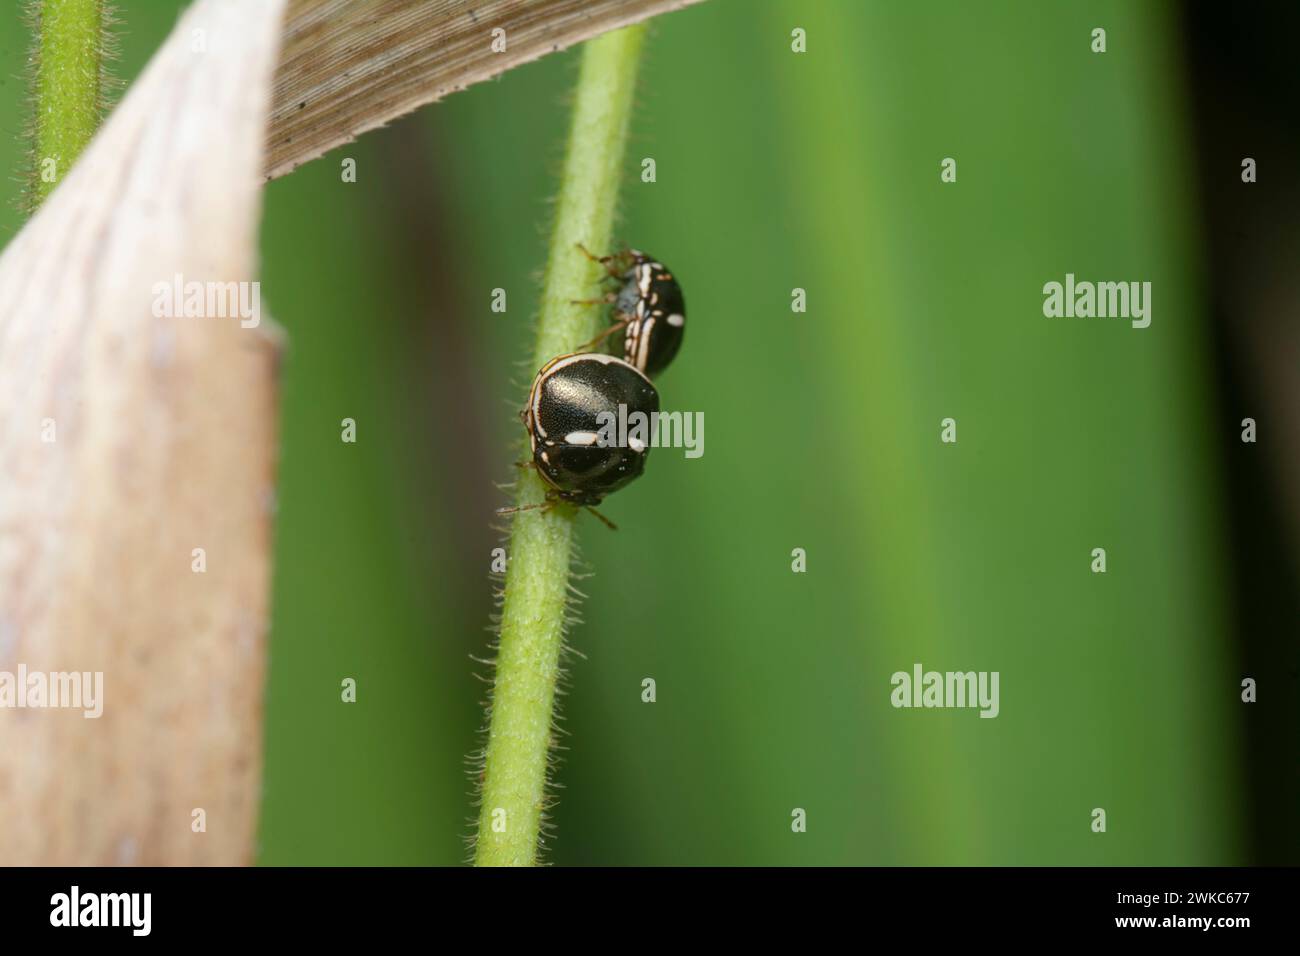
(649, 309)
(569, 398)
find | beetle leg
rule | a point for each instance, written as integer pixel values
(614, 264)
(603, 260)
(617, 326)
(545, 505)
(608, 524)
(605, 299)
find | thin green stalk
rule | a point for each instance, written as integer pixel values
(69, 86)
(541, 541)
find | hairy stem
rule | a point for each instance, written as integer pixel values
(70, 48)
(541, 541)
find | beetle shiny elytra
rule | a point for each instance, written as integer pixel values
(649, 308)
(567, 410)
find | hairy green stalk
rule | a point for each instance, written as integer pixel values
(69, 84)
(541, 541)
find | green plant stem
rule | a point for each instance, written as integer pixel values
(68, 87)
(541, 541)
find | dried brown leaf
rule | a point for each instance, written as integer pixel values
(353, 65)
(164, 437)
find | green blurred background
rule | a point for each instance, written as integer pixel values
(774, 171)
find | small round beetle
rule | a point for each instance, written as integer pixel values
(574, 399)
(649, 307)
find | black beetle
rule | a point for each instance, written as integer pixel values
(649, 307)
